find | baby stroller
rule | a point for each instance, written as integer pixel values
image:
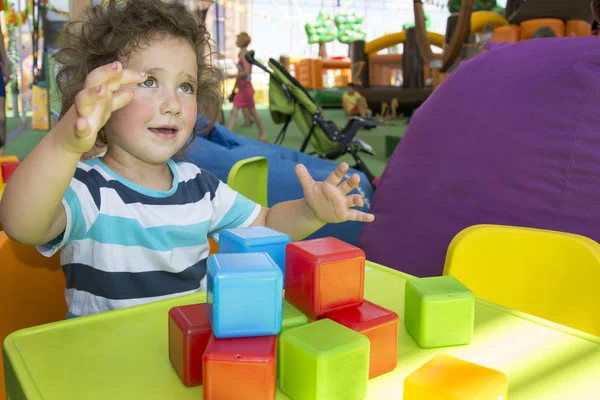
(289, 101)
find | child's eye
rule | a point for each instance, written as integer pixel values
(187, 88)
(148, 83)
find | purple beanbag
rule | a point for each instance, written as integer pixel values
(512, 137)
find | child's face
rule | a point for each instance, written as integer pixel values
(160, 118)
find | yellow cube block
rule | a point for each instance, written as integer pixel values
(448, 378)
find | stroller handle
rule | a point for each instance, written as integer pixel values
(250, 58)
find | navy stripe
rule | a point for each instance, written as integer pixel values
(187, 192)
(88, 180)
(133, 285)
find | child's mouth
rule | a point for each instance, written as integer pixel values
(166, 133)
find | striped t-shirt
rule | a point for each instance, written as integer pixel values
(126, 245)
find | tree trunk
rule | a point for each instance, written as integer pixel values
(322, 50)
(412, 63)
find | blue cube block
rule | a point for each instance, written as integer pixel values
(255, 239)
(244, 295)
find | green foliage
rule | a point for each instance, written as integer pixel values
(349, 27)
(323, 30)
(407, 25)
(480, 5)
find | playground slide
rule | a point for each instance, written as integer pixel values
(392, 39)
(478, 20)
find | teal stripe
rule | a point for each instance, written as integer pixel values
(239, 212)
(128, 232)
(78, 227)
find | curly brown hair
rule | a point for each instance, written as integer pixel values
(111, 30)
(596, 6)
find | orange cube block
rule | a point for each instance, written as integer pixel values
(240, 368)
(380, 325)
(323, 276)
(448, 378)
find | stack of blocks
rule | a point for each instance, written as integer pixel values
(233, 337)
(8, 165)
(439, 312)
(247, 335)
(352, 339)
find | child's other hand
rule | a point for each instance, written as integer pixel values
(102, 93)
(329, 200)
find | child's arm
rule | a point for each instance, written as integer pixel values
(323, 202)
(31, 211)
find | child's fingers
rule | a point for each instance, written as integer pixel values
(304, 177)
(81, 128)
(122, 98)
(127, 76)
(336, 176)
(355, 215)
(85, 100)
(349, 184)
(355, 200)
(103, 75)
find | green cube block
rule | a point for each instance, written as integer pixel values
(324, 360)
(439, 311)
(292, 317)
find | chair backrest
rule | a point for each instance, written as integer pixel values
(31, 290)
(250, 178)
(552, 275)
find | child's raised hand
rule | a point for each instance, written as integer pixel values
(102, 93)
(329, 200)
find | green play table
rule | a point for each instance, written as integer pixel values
(124, 354)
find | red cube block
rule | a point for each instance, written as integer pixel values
(8, 168)
(380, 325)
(240, 368)
(189, 332)
(323, 276)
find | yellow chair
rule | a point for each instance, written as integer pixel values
(552, 275)
(31, 290)
(250, 178)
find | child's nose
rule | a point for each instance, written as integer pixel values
(170, 104)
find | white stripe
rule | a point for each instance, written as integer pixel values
(187, 171)
(153, 215)
(246, 223)
(224, 198)
(83, 303)
(117, 258)
(103, 173)
(88, 206)
(84, 166)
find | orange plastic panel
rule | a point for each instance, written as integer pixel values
(528, 27)
(240, 368)
(577, 27)
(31, 290)
(506, 34)
(214, 247)
(380, 325)
(446, 377)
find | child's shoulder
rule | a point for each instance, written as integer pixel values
(188, 171)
